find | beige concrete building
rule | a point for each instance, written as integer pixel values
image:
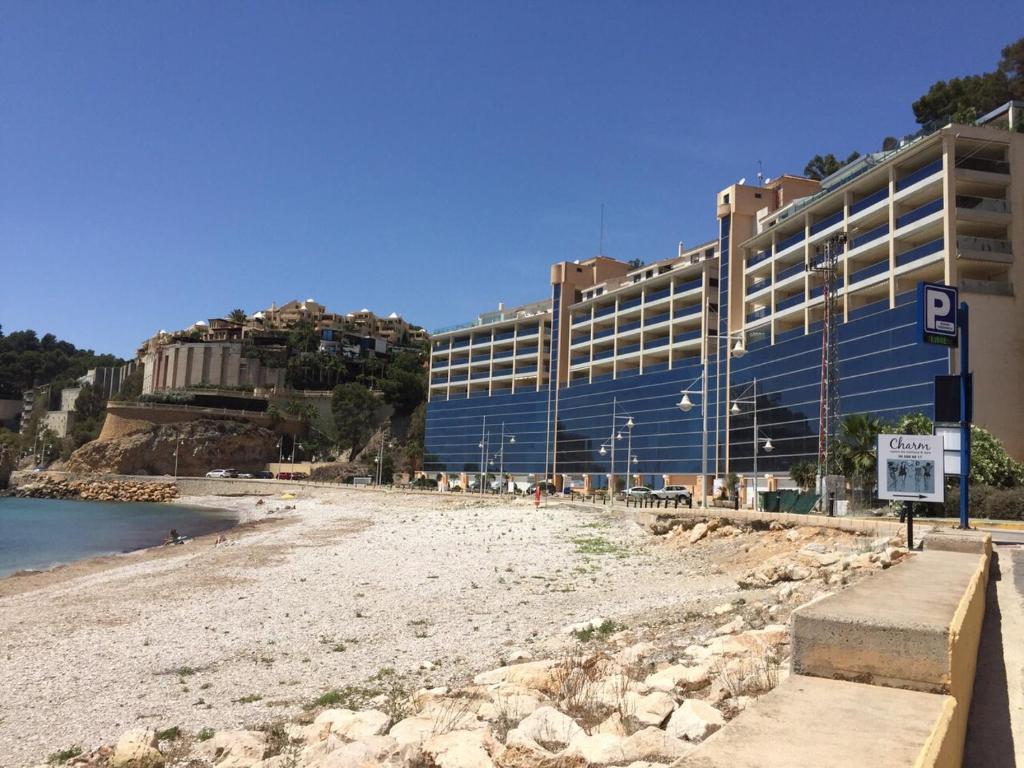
(179, 365)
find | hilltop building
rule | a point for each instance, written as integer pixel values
(738, 321)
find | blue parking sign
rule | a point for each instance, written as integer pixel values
(936, 313)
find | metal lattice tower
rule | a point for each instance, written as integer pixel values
(826, 264)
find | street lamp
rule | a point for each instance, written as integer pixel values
(616, 434)
(485, 438)
(501, 459)
(768, 447)
(685, 405)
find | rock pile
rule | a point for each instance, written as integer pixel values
(816, 561)
(97, 490)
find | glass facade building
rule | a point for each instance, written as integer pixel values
(626, 341)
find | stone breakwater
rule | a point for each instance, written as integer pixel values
(97, 490)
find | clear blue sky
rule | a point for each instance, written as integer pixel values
(165, 162)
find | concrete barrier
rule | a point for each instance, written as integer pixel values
(882, 673)
(809, 722)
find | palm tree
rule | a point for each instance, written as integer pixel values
(237, 316)
(804, 474)
(858, 449)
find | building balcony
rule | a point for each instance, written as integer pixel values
(790, 244)
(789, 303)
(791, 271)
(687, 312)
(688, 286)
(977, 208)
(757, 314)
(759, 257)
(869, 203)
(578, 320)
(919, 179)
(919, 214)
(864, 241)
(984, 249)
(920, 252)
(870, 274)
(984, 165)
(686, 338)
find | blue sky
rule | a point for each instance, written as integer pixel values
(162, 163)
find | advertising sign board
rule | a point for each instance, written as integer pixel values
(910, 467)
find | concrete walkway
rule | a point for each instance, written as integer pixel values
(995, 729)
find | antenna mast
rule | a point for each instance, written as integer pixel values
(600, 242)
(826, 265)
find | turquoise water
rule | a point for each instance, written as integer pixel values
(39, 533)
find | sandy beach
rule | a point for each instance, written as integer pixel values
(321, 594)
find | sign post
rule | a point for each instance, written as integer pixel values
(965, 416)
(941, 319)
(910, 469)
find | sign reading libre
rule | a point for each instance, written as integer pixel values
(936, 313)
(910, 467)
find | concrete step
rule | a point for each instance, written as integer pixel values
(810, 722)
(900, 628)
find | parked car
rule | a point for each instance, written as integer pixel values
(638, 491)
(284, 475)
(546, 487)
(222, 473)
(672, 492)
(244, 476)
(425, 482)
(263, 475)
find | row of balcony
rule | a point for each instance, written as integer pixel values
(625, 304)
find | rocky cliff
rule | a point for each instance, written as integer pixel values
(205, 445)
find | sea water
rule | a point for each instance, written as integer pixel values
(40, 533)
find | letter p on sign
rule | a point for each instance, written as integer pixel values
(937, 308)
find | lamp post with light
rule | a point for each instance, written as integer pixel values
(768, 447)
(616, 434)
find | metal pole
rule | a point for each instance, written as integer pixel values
(177, 450)
(755, 444)
(615, 405)
(629, 457)
(965, 421)
(483, 453)
(704, 443)
(501, 463)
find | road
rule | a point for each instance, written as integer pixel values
(995, 730)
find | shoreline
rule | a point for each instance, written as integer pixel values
(246, 522)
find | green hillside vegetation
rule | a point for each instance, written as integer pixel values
(960, 99)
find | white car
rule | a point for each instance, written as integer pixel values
(222, 473)
(638, 491)
(671, 492)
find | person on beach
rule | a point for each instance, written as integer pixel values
(174, 538)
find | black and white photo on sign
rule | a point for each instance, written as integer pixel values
(910, 476)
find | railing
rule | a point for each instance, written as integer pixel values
(628, 348)
(460, 377)
(919, 213)
(758, 257)
(984, 244)
(527, 351)
(581, 319)
(577, 359)
(796, 269)
(604, 354)
(757, 314)
(439, 380)
(875, 269)
(689, 285)
(481, 340)
(526, 332)
(459, 343)
(869, 200)
(921, 173)
(500, 355)
(609, 332)
(792, 301)
(653, 343)
(920, 252)
(790, 242)
(827, 222)
(504, 336)
(525, 369)
(975, 203)
(439, 364)
(661, 318)
(757, 285)
(983, 164)
(630, 303)
(679, 338)
(499, 372)
(687, 311)
(662, 294)
(867, 237)
(479, 374)
(819, 290)
(580, 338)
(459, 361)
(604, 311)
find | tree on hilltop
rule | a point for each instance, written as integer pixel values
(353, 407)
